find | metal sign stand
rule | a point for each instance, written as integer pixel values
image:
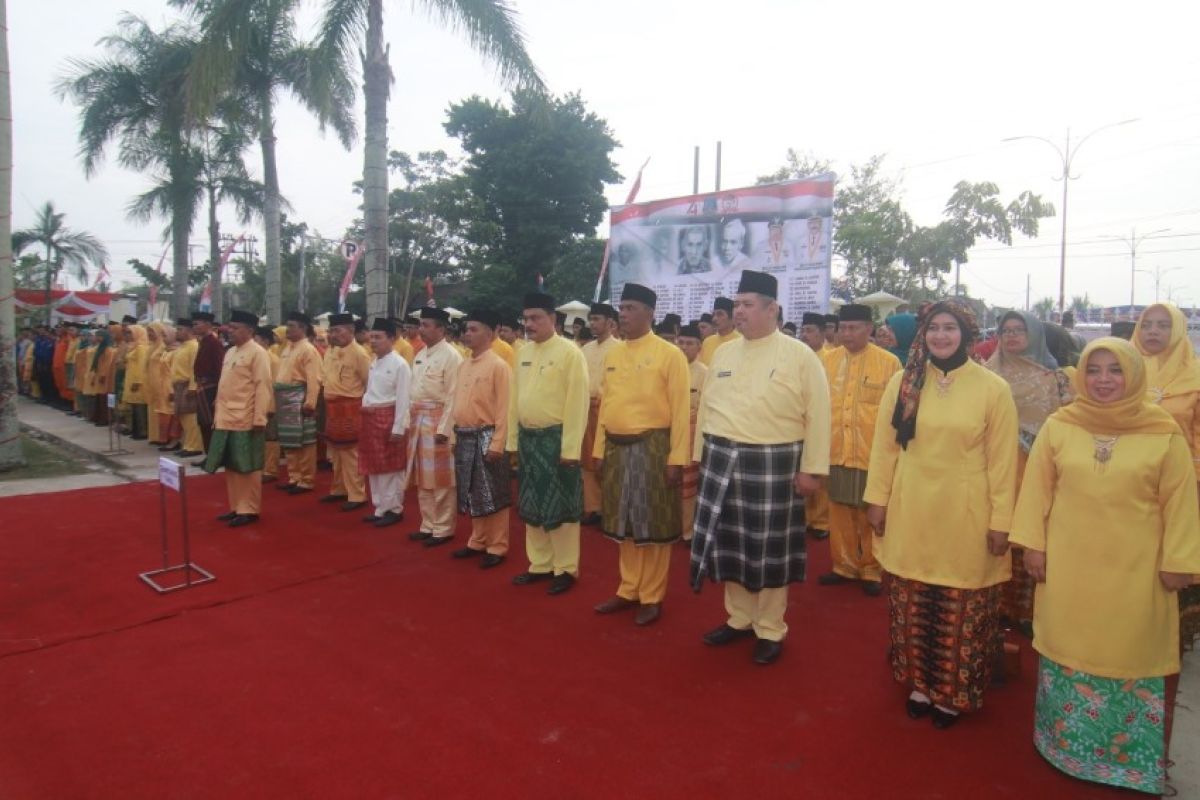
(171, 476)
(114, 425)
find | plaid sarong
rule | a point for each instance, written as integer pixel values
(548, 493)
(377, 453)
(185, 399)
(432, 464)
(236, 451)
(343, 417)
(636, 502)
(483, 488)
(749, 522)
(295, 429)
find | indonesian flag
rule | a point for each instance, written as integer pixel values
(206, 297)
(154, 286)
(351, 268)
(541, 282)
(100, 276)
(632, 196)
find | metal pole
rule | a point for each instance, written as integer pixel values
(187, 544)
(303, 287)
(162, 507)
(718, 167)
(1132, 263)
(696, 170)
(1062, 253)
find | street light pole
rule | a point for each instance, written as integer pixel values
(1066, 154)
(1133, 241)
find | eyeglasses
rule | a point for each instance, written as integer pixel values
(1013, 332)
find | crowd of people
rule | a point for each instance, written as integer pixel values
(1021, 484)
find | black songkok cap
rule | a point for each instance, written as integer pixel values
(204, 316)
(384, 325)
(642, 294)
(298, 316)
(789, 326)
(439, 314)
(341, 319)
(266, 332)
(813, 318)
(758, 283)
(539, 300)
(723, 304)
(243, 318)
(129, 319)
(706, 318)
(692, 331)
(484, 317)
(603, 310)
(359, 325)
(673, 319)
(853, 312)
(182, 322)
(831, 318)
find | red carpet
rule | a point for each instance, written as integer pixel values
(333, 660)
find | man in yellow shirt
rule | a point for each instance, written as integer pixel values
(401, 345)
(858, 372)
(344, 374)
(816, 507)
(265, 336)
(183, 390)
(831, 331)
(762, 439)
(706, 327)
(602, 320)
(722, 317)
(240, 419)
(642, 446)
(689, 341)
(297, 389)
(547, 414)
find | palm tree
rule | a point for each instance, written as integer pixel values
(134, 95)
(249, 48)
(490, 26)
(64, 248)
(10, 425)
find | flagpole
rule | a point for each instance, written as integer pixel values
(633, 192)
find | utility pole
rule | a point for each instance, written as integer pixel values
(1133, 241)
(696, 171)
(1027, 291)
(718, 167)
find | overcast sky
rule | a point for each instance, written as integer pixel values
(935, 86)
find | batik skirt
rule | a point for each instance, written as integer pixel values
(944, 640)
(484, 487)
(294, 428)
(548, 494)
(636, 502)
(236, 451)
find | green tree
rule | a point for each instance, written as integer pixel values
(797, 165)
(63, 248)
(491, 28)
(870, 228)
(974, 211)
(1043, 308)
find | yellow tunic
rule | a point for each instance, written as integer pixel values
(594, 353)
(646, 387)
(136, 373)
(344, 371)
(481, 396)
(856, 384)
(696, 373)
(273, 361)
(244, 391)
(550, 387)
(956, 480)
(403, 349)
(300, 362)
(502, 349)
(1106, 534)
(161, 369)
(1185, 408)
(183, 359)
(768, 391)
(435, 375)
(711, 343)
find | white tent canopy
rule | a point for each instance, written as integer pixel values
(884, 302)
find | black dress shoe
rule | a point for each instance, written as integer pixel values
(436, 541)
(526, 578)
(295, 489)
(284, 487)
(832, 579)
(419, 536)
(188, 453)
(942, 719)
(872, 588)
(560, 583)
(388, 518)
(353, 505)
(917, 708)
(490, 560)
(370, 519)
(648, 614)
(168, 448)
(200, 464)
(724, 634)
(466, 552)
(243, 519)
(333, 498)
(767, 651)
(228, 515)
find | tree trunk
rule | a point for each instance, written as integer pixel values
(181, 226)
(50, 275)
(214, 255)
(271, 214)
(10, 425)
(376, 79)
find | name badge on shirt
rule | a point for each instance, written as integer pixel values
(526, 363)
(611, 369)
(725, 373)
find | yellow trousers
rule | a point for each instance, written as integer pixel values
(591, 492)
(244, 490)
(762, 610)
(851, 543)
(302, 465)
(554, 551)
(192, 439)
(437, 510)
(644, 571)
(152, 427)
(688, 516)
(490, 533)
(346, 479)
(816, 509)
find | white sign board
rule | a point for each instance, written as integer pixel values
(349, 249)
(112, 401)
(169, 473)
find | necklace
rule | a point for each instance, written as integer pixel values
(1156, 395)
(1104, 450)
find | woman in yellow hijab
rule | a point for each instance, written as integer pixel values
(154, 331)
(134, 392)
(1107, 514)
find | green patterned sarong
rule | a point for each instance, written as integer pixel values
(293, 429)
(548, 494)
(1104, 730)
(636, 502)
(237, 451)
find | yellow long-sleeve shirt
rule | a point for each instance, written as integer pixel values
(344, 371)
(299, 362)
(403, 349)
(955, 481)
(1185, 408)
(504, 350)
(856, 384)
(768, 391)
(274, 362)
(135, 373)
(244, 391)
(646, 387)
(594, 353)
(481, 396)
(550, 387)
(434, 379)
(1107, 532)
(183, 360)
(709, 346)
(696, 373)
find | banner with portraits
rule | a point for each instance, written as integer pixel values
(691, 250)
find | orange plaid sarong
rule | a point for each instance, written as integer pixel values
(431, 465)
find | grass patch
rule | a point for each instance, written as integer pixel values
(43, 460)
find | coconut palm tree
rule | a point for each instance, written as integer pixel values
(249, 48)
(64, 248)
(490, 26)
(134, 96)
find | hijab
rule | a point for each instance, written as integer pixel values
(1175, 370)
(105, 342)
(1038, 387)
(904, 326)
(1133, 413)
